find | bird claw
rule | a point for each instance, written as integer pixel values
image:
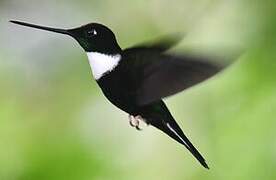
(134, 121)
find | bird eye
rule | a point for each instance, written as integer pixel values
(92, 32)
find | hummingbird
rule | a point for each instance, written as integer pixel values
(136, 79)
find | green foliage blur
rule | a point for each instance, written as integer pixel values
(55, 123)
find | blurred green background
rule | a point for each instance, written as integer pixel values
(55, 123)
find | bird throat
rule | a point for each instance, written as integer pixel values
(102, 64)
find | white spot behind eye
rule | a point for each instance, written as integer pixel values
(92, 32)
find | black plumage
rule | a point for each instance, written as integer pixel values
(144, 75)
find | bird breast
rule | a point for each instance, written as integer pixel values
(102, 64)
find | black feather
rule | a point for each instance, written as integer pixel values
(158, 115)
(157, 75)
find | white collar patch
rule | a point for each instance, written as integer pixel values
(102, 63)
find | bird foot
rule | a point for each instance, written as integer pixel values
(134, 121)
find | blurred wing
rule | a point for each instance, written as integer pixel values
(159, 75)
(160, 45)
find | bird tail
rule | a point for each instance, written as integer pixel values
(171, 128)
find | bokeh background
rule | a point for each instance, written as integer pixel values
(55, 123)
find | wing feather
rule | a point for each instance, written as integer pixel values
(155, 75)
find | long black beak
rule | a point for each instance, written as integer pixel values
(61, 31)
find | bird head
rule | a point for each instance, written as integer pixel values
(92, 37)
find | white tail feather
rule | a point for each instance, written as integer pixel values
(169, 126)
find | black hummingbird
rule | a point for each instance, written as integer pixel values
(136, 79)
